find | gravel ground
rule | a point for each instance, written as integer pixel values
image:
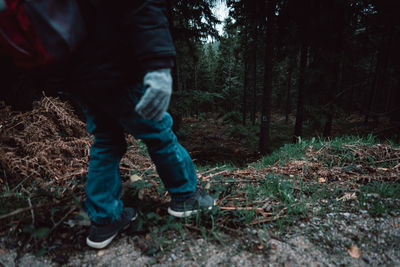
(322, 241)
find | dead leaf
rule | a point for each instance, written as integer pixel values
(354, 252)
(101, 252)
(347, 196)
(141, 193)
(260, 247)
(134, 178)
(321, 180)
(394, 224)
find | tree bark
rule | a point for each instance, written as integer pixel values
(301, 86)
(264, 144)
(289, 88)
(245, 84)
(337, 59)
(253, 58)
(380, 69)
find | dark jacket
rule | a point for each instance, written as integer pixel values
(126, 39)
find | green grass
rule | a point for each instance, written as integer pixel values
(379, 198)
(297, 151)
(292, 200)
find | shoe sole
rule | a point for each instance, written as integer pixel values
(183, 214)
(105, 243)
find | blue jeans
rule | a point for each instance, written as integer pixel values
(110, 114)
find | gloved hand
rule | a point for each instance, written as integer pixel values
(154, 103)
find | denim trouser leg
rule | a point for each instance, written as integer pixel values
(174, 164)
(103, 184)
(109, 114)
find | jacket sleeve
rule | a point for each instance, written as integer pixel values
(145, 26)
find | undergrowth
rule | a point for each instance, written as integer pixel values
(298, 182)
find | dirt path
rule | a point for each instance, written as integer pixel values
(328, 241)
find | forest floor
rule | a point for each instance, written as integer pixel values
(312, 203)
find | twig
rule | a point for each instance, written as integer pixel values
(30, 205)
(212, 175)
(62, 219)
(269, 219)
(18, 211)
(32, 212)
(238, 181)
(256, 210)
(22, 182)
(237, 208)
(5, 178)
(127, 169)
(211, 170)
(385, 160)
(193, 227)
(13, 126)
(236, 198)
(10, 194)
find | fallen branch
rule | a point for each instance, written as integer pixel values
(238, 181)
(211, 170)
(385, 160)
(22, 182)
(256, 210)
(212, 175)
(18, 211)
(269, 219)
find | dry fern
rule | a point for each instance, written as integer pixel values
(47, 143)
(50, 145)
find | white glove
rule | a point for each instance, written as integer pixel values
(154, 103)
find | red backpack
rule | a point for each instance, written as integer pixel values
(38, 32)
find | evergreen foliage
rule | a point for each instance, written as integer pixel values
(329, 59)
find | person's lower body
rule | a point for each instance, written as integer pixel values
(110, 114)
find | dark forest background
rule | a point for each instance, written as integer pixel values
(312, 63)
(283, 69)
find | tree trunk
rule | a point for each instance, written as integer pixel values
(380, 69)
(245, 84)
(279, 96)
(264, 145)
(301, 86)
(245, 77)
(289, 88)
(253, 58)
(337, 59)
(374, 84)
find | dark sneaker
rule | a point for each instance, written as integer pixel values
(102, 235)
(198, 201)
